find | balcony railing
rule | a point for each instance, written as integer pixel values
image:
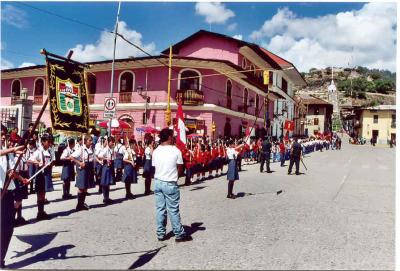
(38, 100)
(125, 97)
(91, 99)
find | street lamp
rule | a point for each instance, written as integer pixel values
(139, 90)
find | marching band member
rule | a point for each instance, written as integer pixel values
(21, 190)
(68, 171)
(214, 160)
(148, 170)
(100, 145)
(31, 167)
(83, 158)
(233, 174)
(43, 182)
(107, 173)
(119, 151)
(130, 173)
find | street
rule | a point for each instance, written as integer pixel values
(339, 214)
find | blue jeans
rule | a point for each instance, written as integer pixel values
(167, 197)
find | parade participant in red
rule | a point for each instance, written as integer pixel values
(214, 160)
(221, 157)
(140, 155)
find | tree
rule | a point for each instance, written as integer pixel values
(384, 86)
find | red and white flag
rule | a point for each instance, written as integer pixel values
(247, 134)
(180, 129)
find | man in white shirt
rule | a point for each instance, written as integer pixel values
(167, 160)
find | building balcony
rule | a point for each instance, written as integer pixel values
(125, 97)
(190, 96)
(38, 100)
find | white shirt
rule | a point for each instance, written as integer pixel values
(147, 153)
(39, 155)
(107, 153)
(87, 155)
(119, 149)
(3, 172)
(231, 153)
(66, 153)
(165, 159)
(130, 155)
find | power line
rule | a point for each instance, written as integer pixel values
(122, 37)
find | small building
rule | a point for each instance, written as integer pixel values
(378, 122)
(318, 115)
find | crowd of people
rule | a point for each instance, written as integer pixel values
(94, 161)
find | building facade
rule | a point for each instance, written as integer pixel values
(219, 80)
(378, 122)
(318, 119)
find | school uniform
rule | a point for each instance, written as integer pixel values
(68, 171)
(21, 190)
(85, 175)
(130, 173)
(43, 181)
(31, 169)
(119, 151)
(98, 164)
(233, 172)
(107, 172)
(148, 170)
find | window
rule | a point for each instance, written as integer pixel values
(91, 83)
(284, 85)
(126, 82)
(228, 94)
(189, 79)
(245, 98)
(39, 87)
(375, 118)
(393, 120)
(16, 88)
(316, 121)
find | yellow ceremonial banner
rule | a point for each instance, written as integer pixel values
(266, 77)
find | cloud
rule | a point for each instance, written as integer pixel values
(238, 37)
(365, 37)
(214, 12)
(5, 64)
(103, 48)
(14, 16)
(26, 64)
(232, 27)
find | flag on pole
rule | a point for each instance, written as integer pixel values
(180, 128)
(69, 109)
(289, 125)
(247, 133)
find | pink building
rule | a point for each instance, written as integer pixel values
(220, 80)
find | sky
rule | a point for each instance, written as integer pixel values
(308, 34)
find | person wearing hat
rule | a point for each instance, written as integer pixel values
(68, 170)
(43, 182)
(130, 173)
(232, 175)
(107, 172)
(84, 158)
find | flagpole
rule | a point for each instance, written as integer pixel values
(113, 61)
(168, 112)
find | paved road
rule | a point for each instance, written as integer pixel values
(338, 215)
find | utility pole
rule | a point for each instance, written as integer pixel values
(113, 61)
(168, 112)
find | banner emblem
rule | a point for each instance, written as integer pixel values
(68, 97)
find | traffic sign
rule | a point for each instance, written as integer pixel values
(110, 104)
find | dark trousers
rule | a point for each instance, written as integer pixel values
(265, 158)
(295, 160)
(7, 222)
(239, 162)
(282, 159)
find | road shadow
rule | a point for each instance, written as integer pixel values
(198, 188)
(189, 230)
(145, 258)
(37, 241)
(60, 253)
